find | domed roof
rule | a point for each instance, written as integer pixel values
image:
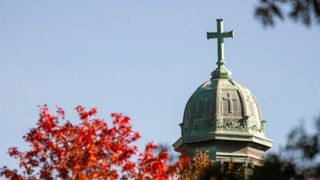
(221, 104)
(222, 117)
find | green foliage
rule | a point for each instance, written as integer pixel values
(304, 11)
(299, 159)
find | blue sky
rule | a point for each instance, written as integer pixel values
(145, 58)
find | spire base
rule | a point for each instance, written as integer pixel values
(221, 72)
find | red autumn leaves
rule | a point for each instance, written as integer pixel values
(89, 150)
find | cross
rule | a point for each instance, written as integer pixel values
(230, 102)
(220, 35)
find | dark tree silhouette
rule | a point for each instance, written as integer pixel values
(299, 159)
(306, 12)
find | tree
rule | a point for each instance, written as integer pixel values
(88, 150)
(299, 159)
(304, 11)
(203, 168)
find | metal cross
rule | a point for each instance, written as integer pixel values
(220, 35)
(230, 102)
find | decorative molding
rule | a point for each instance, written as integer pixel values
(241, 125)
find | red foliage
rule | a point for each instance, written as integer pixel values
(88, 150)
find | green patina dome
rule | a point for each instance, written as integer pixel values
(222, 104)
(222, 117)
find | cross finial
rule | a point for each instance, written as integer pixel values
(220, 35)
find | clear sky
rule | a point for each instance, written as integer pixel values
(145, 58)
